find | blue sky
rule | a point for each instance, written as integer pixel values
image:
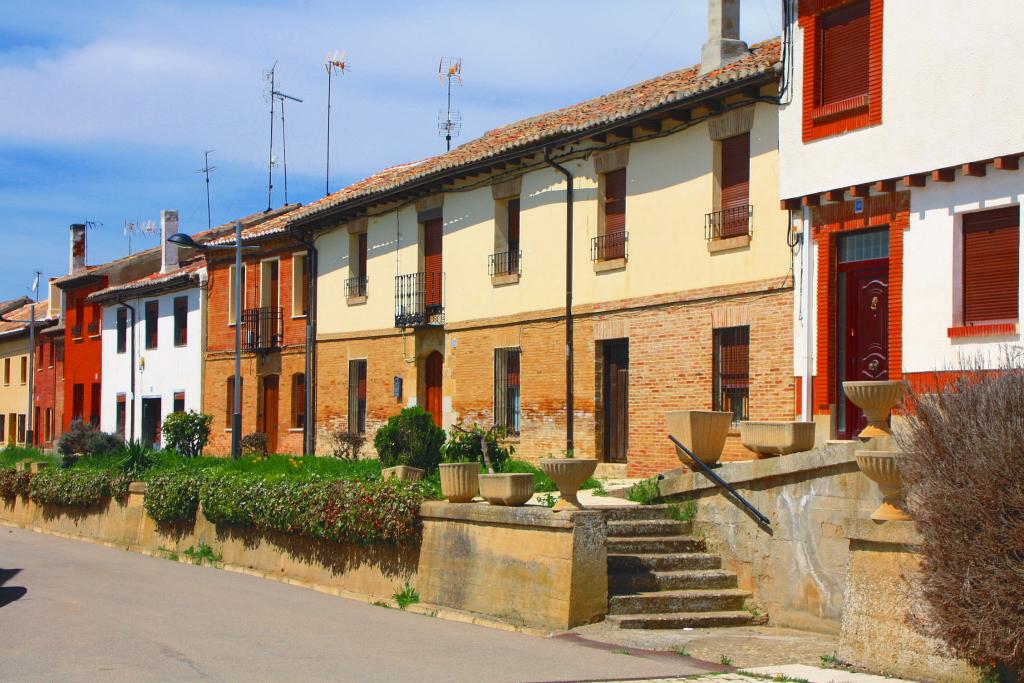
(109, 105)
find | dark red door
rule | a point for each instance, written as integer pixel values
(616, 401)
(268, 411)
(435, 364)
(866, 331)
(432, 264)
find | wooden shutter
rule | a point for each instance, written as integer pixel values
(736, 171)
(843, 40)
(432, 261)
(991, 248)
(513, 224)
(615, 202)
(152, 316)
(362, 254)
(298, 400)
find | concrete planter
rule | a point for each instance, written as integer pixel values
(702, 431)
(876, 399)
(769, 439)
(506, 489)
(402, 473)
(568, 474)
(883, 469)
(459, 481)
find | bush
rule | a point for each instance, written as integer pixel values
(963, 468)
(172, 497)
(187, 433)
(465, 445)
(410, 438)
(346, 445)
(88, 440)
(78, 487)
(255, 444)
(14, 483)
(12, 455)
(644, 492)
(135, 457)
(363, 512)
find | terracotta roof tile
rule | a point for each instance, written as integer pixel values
(23, 313)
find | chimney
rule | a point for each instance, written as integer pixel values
(77, 248)
(724, 44)
(168, 251)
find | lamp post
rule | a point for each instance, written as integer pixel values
(183, 240)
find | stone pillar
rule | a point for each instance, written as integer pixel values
(724, 44)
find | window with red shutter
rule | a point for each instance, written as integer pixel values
(843, 53)
(180, 321)
(152, 316)
(991, 248)
(613, 242)
(357, 396)
(735, 192)
(298, 400)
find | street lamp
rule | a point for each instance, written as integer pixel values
(183, 240)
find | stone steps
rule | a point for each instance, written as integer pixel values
(649, 545)
(637, 512)
(661, 562)
(691, 579)
(659, 602)
(648, 527)
(679, 620)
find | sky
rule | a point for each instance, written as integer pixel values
(109, 105)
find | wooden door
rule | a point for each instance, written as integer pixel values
(435, 364)
(866, 331)
(151, 410)
(616, 401)
(269, 411)
(432, 261)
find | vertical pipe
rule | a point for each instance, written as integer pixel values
(327, 182)
(569, 415)
(270, 153)
(31, 364)
(808, 296)
(236, 418)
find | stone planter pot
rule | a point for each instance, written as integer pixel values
(769, 439)
(882, 468)
(568, 474)
(506, 489)
(876, 399)
(402, 473)
(702, 431)
(459, 482)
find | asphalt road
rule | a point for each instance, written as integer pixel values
(76, 611)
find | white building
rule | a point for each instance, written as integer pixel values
(900, 144)
(153, 341)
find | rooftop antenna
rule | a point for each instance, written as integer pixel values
(284, 145)
(449, 121)
(268, 92)
(131, 228)
(332, 62)
(207, 169)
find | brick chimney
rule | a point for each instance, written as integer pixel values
(168, 251)
(724, 44)
(77, 262)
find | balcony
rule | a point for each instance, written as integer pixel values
(505, 263)
(728, 223)
(262, 329)
(611, 246)
(355, 287)
(419, 299)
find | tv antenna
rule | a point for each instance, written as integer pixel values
(268, 92)
(332, 62)
(142, 228)
(281, 97)
(206, 170)
(449, 121)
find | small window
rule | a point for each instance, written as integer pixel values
(122, 330)
(735, 187)
(991, 264)
(7, 370)
(77, 401)
(355, 286)
(300, 286)
(230, 395)
(505, 260)
(94, 404)
(298, 400)
(24, 369)
(3, 427)
(21, 429)
(49, 424)
(119, 415)
(357, 396)
(844, 54)
(731, 379)
(37, 433)
(152, 320)
(179, 402)
(611, 244)
(506, 389)
(180, 321)
(51, 352)
(40, 352)
(232, 283)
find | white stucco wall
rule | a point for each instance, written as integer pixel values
(949, 95)
(168, 368)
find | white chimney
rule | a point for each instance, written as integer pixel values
(724, 44)
(77, 262)
(168, 251)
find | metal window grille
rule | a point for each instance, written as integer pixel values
(505, 263)
(612, 245)
(731, 377)
(732, 222)
(507, 409)
(356, 286)
(357, 396)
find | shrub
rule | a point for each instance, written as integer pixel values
(172, 496)
(12, 455)
(963, 467)
(135, 457)
(644, 492)
(466, 445)
(88, 440)
(255, 444)
(346, 445)
(78, 487)
(14, 483)
(410, 438)
(187, 433)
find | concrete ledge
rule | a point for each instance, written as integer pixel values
(527, 516)
(355, 300)
(728, 243)
(609, 265)
(866, 530)
(506, 279)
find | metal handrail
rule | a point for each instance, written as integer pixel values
(723, 483)
(732, 222)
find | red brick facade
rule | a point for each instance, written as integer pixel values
(48, 389)
(83, 351)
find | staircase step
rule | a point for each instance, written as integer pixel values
(637, 512)
(620, 583)
(654, 544)
(679, 620)
(678, 601)
(662, 562)
(648, 527)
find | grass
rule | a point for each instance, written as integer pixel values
(407, 596)
(725, 660)
(12, 455)
(548, 499)
(644, 492)
(682, 651)
(203, 554)
(683, 513)
(168, 553)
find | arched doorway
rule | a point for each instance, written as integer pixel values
(435, 364)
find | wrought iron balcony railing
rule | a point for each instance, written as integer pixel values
(734, 222)
(609, 246)
(419, 299)
(505, 263)
(262, 329)
(355, 286)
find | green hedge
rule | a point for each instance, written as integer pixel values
(78, 487)
(14, 483)
(172, 496)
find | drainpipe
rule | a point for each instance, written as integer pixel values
(568, 296)
(131, 422)
(808, 285)
(309, 428)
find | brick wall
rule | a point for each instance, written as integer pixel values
(49, 387)
(83, 355)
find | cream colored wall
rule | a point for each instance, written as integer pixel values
(13, 396)
(670, 188)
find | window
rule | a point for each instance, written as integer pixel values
(180, 321)
(24, 369)
(843, 53)
(50, 351)
(49, 424)
(179, 402)
(355, 286)
(991, 247)
(505, 260)
(230, 394)
(506, 389)
(3, 427)
(152, 318)
(731, 378)
(38, 426)
(232, 313)
(735, 187)
(40, 352)
(300, 286)
(77, 401)
(76, 328)
(7, 370)
(611, 244)
(357, 396)
(21, 429)
(122, 330)
(119, 415)
(94, 404)
(95, 320)
(298, 400)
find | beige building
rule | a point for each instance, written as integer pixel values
(15, 368)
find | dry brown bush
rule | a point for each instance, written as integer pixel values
(964, 471)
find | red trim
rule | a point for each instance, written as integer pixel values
(990, 330)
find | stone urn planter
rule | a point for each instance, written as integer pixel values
(876, 399)
(459, 481)
(769, 439)
(702, 431)
(882, 468)
(568, 475)
(507, 489)
(402, 473)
